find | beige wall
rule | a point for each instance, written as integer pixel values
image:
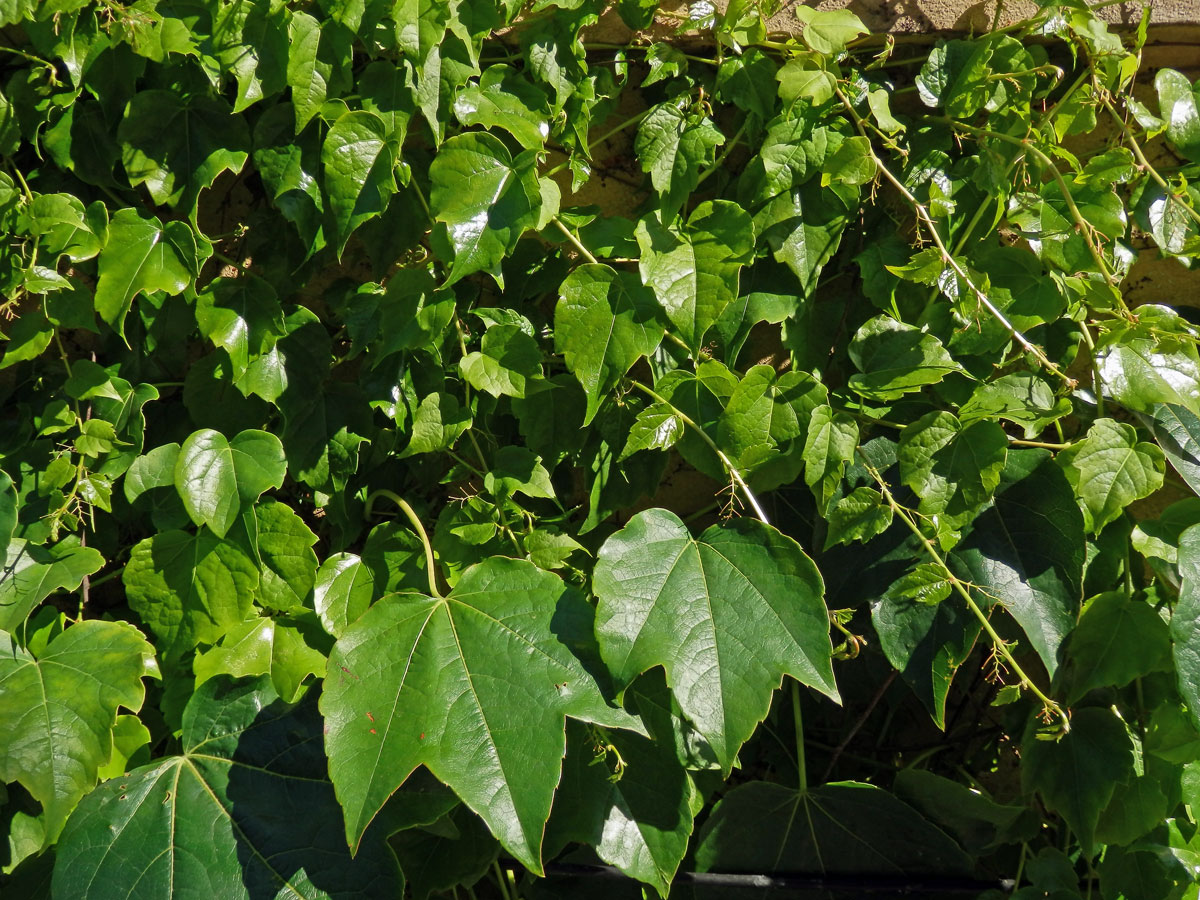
(965, 15)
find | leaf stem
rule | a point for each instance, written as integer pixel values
(501, 880)
(717, 163)
(633, 120)
(947, 257)
(584, 251)
(1050, 706)
(798, 721)
(412, 516)
(703, 435)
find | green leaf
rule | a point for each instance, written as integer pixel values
(829, 31)
(66, 227)
(307, 74)
(657, 427)
(1178, 107)
(474, 686)
(485, 198)
(925, 642)
(805, 78)
(1110, 469)
(1117, 640)
(695, 607)
(438, 422)
(61, 708)
(283, 545)
(177, 146)
(954, 470)
(828, 448)
(1077, 773)
(280, 648)
(1177, 431)
(189, 589)
(859, 516)
(27, 339)
(342, 591)
(216, 478)
(694, 271)
(385, 92)
(638, 819)
(240, 315)
(497, 101)
(506, 360)
(604, 322)
(517, 470)
(977, 822)
(1027, 550)
(895, 358)
(358, 159)
(8, 513)
(1185, 623)
(142, 255)
(673, 146)
(844, 828)
(32, 573)
(244, 811)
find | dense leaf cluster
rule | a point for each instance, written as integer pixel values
(373, 508)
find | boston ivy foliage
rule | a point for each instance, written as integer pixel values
(391, 502)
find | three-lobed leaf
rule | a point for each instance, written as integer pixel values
(475, 686)
(697, 607)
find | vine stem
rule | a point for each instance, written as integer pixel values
(1085, 227)
(584, 251)
(412, 517)
(947, 257)
(1051, 706)
(733, 142)
(725, 460)
(1136, 149)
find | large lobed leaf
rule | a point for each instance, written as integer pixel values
(697, 607)
(475, 686)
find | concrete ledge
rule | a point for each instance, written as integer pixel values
(962, 15)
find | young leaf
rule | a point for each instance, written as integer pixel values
(696, 606)
(828, 31)
(604, 322)
(475, 686)
(282, 649)
(245, 810)
(61, 708)
(216, 477)
(895, 358)
(828, 449)
(307, 74)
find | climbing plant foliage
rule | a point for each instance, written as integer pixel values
(442, 443)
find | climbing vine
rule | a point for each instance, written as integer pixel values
(469, 448)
